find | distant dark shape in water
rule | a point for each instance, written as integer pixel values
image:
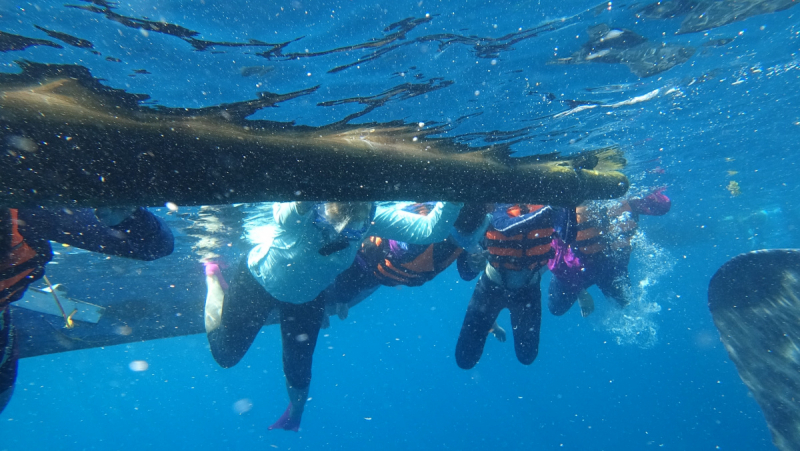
(255, 71)
(602, 37)
(113, 60)
(400, 92)
(77, 142)
(141, 72)
(755, 303)
(669, 9)
(68, 39)
(147, 26)
(610, 88)
(576, 103)
(13, 42)
(621, 46)
(702, 15)
(718, 42)
(396, 37)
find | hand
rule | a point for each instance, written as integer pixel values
(498, 332)
(477, 261)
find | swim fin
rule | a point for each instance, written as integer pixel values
(285, 422)
(586, 302)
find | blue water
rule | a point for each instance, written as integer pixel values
(652, 376)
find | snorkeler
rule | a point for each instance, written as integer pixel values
(25, 236)
(386, 262)
(599, 252)
(517, 248)
(390, 263)
(299, 250)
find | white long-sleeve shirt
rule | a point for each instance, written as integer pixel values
(286, 260)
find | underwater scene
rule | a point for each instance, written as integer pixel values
(512, 225)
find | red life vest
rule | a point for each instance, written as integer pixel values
(530, 250)
(607, 231)
(589, 239)
(20, 264)
(413, 268)
(417, 265)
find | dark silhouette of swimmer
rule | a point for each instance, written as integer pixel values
(702, 15)
(622, 46)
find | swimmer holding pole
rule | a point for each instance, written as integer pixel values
(71, 141)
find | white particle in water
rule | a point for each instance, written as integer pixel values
(138, 365)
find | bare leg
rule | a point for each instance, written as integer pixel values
(215, 296)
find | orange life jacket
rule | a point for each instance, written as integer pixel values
(598, 234)
(413, 268)
(20, 264)
(530, 250)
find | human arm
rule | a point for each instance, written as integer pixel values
(289, 213)
(391, 222)
(654, 204)
(498, 332)
(470, 226)
(141, 235)
(470, 264)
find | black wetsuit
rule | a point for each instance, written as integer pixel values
(487, 301)
(379, 262)
(245, 310)
(247, 305)
(518, 242)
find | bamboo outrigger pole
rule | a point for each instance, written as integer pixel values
(73, 142)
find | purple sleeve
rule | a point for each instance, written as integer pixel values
(141, 236)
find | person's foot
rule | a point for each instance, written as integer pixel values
(215, 297)
(498, 332)
(286, 422)
(586, 302)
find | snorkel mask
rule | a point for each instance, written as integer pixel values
(339, 240)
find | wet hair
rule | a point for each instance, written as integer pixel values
(341, 214)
